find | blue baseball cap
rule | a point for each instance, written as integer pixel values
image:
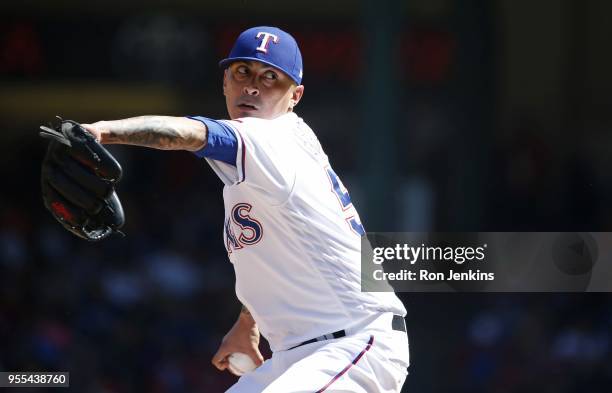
(269, 45)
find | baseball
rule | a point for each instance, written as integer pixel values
(240, 363)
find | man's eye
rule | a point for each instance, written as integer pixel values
(270, 75)
(242, 70)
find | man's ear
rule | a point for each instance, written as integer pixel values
(296, 95)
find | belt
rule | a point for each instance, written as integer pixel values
(398, 323)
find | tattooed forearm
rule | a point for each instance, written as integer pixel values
(159, 132)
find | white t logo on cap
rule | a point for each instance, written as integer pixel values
(263, 47)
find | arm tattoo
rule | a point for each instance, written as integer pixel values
(159, 132)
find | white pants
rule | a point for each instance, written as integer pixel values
(370, 359)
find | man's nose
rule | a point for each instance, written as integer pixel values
(251, 90)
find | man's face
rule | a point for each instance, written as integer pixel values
(255, 89)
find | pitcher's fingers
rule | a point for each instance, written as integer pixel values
(256, 356)
(220, 361)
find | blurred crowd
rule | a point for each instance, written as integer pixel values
(557, 343)
(140, 313)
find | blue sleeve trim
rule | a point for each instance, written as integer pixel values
(222, 144)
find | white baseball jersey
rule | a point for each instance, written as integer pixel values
(291, 232)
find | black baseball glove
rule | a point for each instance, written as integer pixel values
(78, 182)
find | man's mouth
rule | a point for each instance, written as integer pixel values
(249, 107)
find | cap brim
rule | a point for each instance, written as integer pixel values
(226, 62)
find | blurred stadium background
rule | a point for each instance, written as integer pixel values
(440, 115)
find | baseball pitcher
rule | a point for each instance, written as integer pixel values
(290, 231)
